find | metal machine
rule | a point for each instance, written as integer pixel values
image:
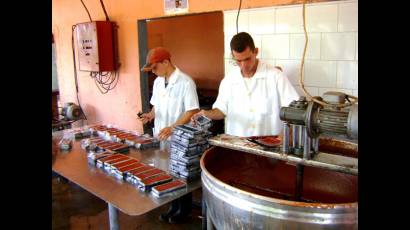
(70, 113)
(305, 120)
(299, 185)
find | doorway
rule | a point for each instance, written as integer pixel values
(196, 43)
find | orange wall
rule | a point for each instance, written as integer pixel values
(196, 44)
(120, 105)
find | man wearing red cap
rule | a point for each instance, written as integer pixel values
(174, 101)
(174, 96)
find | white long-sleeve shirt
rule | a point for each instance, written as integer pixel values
(173, 101)
(252, 108)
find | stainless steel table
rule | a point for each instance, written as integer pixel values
(119, 195)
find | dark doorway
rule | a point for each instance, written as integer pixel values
(196, 43)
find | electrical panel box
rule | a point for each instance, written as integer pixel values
(95, 46)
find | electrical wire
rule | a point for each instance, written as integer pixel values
(86, 10)
(301, 79)
(105, 85)
(75, 70)
(105, 12)
(237, 16)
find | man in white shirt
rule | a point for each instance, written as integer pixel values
(174, 101)
(250, 96)
(174, 96)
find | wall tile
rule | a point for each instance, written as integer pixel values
(313, 91)
(347, 74)
(289, 20)
(230, 21)
(262, 21)
(356, 93)
(331, 59)
(357, 46)
(324, 90)
(348, 15)
(270, 61)
(297, 44)
(338, 46)
(291, 68)
(275, 46)
(320, 73)
(321, 18)
(227, 47)
(257, 39)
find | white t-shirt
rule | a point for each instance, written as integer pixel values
(173, 101)
(252, 108)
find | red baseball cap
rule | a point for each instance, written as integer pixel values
(155, 55)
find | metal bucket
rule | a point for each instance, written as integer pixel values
(247, 191)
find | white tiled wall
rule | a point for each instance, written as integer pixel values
(331, 61)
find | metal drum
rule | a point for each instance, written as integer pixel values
(247, 191)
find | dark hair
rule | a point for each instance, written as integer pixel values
(242, 40)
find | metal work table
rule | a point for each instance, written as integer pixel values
(119, 195)
(321, 160)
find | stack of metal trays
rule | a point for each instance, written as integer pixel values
(119, 165)
(168, 188)
(146, 141)
(92, 156)
(121, 172)
(187, 145)
(98, 144)
(131, 175)
(129, 138)
(147, 184)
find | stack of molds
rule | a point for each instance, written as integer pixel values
(187, 145)
(98, 144)
(168, 188)
(147, 184)
(131, 139)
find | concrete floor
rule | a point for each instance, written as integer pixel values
(74, 208)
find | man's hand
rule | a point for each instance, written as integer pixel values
(165, 133)
(146, 117)
(198, 114)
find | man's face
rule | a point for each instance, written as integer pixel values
(246, 60)
(159, 68)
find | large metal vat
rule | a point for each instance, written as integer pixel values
(247, 191)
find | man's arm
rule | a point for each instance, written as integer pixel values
(214, 114)
(167, 131)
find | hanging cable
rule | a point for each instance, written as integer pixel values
(86, 10)
(302, 64)
(105, 85)
(75, 70)
(105, 12)
(237, 16)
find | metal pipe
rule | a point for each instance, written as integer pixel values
(113, 216)
(316, 144)
(285, 145)
(306, 147)
(301, 132)
(295, 134)
(299, 181)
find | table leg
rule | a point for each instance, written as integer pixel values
(113, 216)
(204, 214)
